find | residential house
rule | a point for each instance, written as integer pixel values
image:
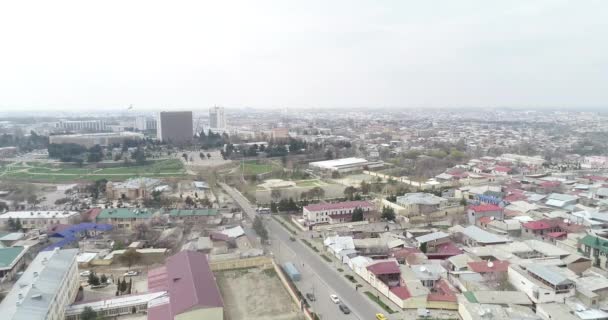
(420, 203)
(124, 218)
(334, 212)
(474, 213)
(542, 284)
(38, 219)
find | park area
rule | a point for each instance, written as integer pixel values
(59, 173)
(255, 294)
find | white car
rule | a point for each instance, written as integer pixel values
(334, 298)
(130, 273)
(85, 273)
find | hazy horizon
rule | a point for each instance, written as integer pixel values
(74, 55)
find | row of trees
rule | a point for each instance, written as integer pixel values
(23, 142)
(260, 229)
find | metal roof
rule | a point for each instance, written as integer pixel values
(483, 236)
(553, 277)
(432, 236)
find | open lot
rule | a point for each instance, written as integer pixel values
(255, 294)
(45, 172)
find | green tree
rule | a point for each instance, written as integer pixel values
(365, 187)
(388, 213)
(357, 214)
(260, 229)
(423, 247)
(88, 314)
(349, 192)
(103, 279)
(273, 207)
(93, 279)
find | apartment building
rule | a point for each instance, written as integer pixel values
(334, 212)
(38, 219)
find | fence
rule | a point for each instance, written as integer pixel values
(240, 263)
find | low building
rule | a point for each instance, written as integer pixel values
(115, 306)
(473, 236)
(474, 213)
(45, 289)
(7, 152)
(333, 212)
(431, 240)
(419, 203)
(344, 165)
(124, 218)
(192, 292)
(39, 219)
(132, 189)
(11, 261)
(542, 284)
(193, 215)
(88, 140)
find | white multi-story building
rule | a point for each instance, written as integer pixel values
(82, 125)
(144, 123)
(541, 283)
(45, 289)
(333, 212)
(38, 219)
(217, 120)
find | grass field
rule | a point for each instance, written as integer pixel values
(43, 172)
(253, 168)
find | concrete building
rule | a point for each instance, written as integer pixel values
(474, 213)
(217, 120)
(45, 289)
(421, 203)
(192, 292)
(542, 284)
(144, 123)
(116, 306)
(82, 125)
(333, 212)
(124, 218)
(132, 189)
(90, 139)
(175, 126)
(344, 165)
(11, 261)
(38, 219)
(6, 152)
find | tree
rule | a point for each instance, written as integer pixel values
(349, 192)
(130, 257)
(275, 194)
(463, 202)
(316, 192)
(273, 207)
(142, 230)
(357, 214)
(388, 213)
(93, 279)
(260, 229)
(103, 279)
(189, 201)
(423, 247)
(88, 314)
(123, 285)
(95, 154)
(365, 187)
(140, 157)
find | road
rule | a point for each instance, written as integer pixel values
(317, 275)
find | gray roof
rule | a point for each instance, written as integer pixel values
(553, 277)
(602, 192)
(420, 198)
(562, 197)
(483, 236)
(432, 236)
(38, 286)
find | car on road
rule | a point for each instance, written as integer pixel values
(85, 273)
(334, 298)
(344, 308)
(380, 316)
(131, 273)
(310, 297)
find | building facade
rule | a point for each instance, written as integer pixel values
(333, 212)
(91, 139)
(144, 123)
(217, 120)
(38, 219)
(82, 125)
(175, 126)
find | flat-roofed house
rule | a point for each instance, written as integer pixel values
(334, 212)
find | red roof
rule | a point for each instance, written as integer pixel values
(404, 252)
(338, 205)
(550, 184)
(157, 279)
(539, 225)
(385, 267)
(597, 178)
(443, 292)
(502, 169)
(556, 235)
(485, 208)
(92, 213)
(401, 292)
(485, 220)
(485, 266)
(191, 285)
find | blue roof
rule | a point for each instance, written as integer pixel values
(70, 234)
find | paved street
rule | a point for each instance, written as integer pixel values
(317, 274)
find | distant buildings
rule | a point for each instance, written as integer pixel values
(45, 289)
(90, 139)
(132, 189)
(175, 126)
(144, 123)
(421, 203)
(83, 125)
(344, 165)
(8, 151)
(38, 219)
(124, 218)
(217, 120)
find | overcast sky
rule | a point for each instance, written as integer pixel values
(300, 54)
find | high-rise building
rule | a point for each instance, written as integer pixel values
(143, 123)
(175, 126)
(83, 125)
(217, 120)
(45, 289)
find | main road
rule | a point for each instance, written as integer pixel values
(318, 276)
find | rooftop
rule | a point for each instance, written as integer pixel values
(489, 266)
(37, 214)
(485, 208)
(332, 164)
(384, 267)
(9, 257)
(548, 274)
(125, 213)
(193, 212)
(432, 236)
(420, 198)
(482, 236)
(338, 205)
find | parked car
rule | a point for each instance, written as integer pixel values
(130, 273)
(334, 298)
(344, 308)
(310, 297)
(85, 273)
(380, 316)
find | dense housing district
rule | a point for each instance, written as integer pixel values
(323, 214)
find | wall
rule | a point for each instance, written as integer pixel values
(240, 263)
(205, 313)
(522, 283)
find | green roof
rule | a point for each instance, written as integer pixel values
(595, 242)
(194, 212)
(8, 255)
(470, 296)
(125, 213)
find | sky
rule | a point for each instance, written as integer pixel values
(96, 55)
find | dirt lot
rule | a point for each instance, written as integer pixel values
(254, 294)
